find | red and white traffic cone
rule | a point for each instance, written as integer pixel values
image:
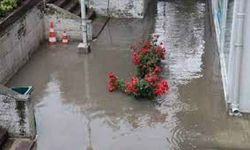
(65, 38)
(52, 33)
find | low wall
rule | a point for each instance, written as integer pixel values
(16, 114)
(19, 38)
(18, 41)
(119, 8)
(64, 21)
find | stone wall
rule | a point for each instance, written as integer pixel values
(119, 8)
(19, 41)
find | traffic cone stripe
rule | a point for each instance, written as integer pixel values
(52, 33)
(65, 39)
(51, 30)
(52, 40)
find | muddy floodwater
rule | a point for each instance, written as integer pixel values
(74, 110)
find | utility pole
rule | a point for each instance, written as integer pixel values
(84, 46)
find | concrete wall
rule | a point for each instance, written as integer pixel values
(119, 8)
(64, 21)
(16, 114)
(19, 41)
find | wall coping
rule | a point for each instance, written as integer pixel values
(12, 94)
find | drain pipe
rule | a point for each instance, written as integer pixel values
(237, 49)
(84, 46)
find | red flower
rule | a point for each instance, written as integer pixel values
(157, 70)
(113, 82)
(131, 86)
(147, 56)
(112, 76)
(136, 58)
(147, 44)
(111, 88)
(144, 50)
(161, 51)
(161, 88)
(158, 49)
(151, 78)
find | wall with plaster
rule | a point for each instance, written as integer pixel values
(19, 41)
(119, 8)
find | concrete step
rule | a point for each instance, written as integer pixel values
(50, 1)
(62, 3)
(73, 6)
(3, 136)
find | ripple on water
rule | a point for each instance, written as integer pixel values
(180, 25)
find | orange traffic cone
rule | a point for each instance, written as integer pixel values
(52, 33)
(65, 38)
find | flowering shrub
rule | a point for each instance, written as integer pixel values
(147, 83)
(113, 82)
(148, 57)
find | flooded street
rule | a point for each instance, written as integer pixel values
(74, 110)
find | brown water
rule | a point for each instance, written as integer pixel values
(74, 110)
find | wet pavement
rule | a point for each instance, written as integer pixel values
(75, 111)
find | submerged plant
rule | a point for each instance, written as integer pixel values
(147, 82)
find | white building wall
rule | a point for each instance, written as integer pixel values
(219, 12)
(238, 97)
(244, 94)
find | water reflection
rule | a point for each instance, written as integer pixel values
(55, 124)
(180, 25)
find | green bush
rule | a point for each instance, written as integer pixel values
(7, 5)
